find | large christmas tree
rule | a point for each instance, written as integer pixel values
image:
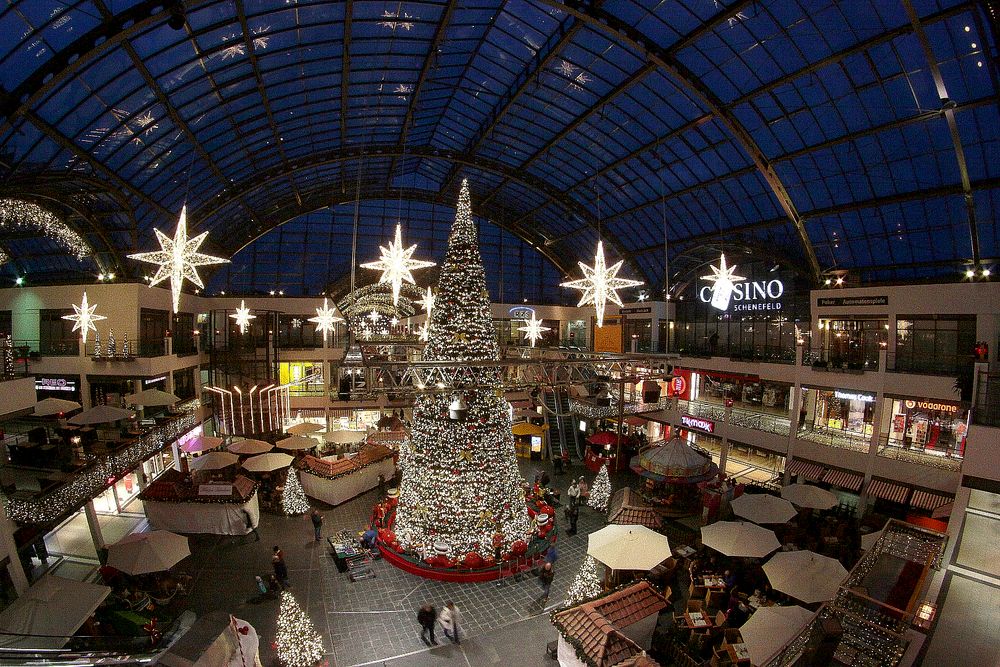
(461, 486)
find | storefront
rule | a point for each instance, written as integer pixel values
(293, 372)
(934, 426)
(843, 410)
(851, 343)
(747, 392)
(111, 390)
(66, 387)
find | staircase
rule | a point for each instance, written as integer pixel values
(563, 434)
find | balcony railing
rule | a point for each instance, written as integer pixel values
(944, 460)
(68, 347)
(928, 364)
(857, 442)
(851, 361)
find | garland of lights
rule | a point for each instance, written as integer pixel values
(600, 491)
(306, 468)
(293, 498)
(587, 584)
(8, 355)
(18, 215)
(297, 642)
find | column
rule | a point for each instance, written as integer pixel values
(872, 457)
(724, 450)
(793, 415)
(93, 522)
(85, 391)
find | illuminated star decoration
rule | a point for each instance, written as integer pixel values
(83, 319)
(243, 317)
(296, 322)
(325, 318)
(723, 276)
(178, 258)
(427, 301)
(424, 333)
(397, 264)
(533, 329)
(600, 283)
(373, 316)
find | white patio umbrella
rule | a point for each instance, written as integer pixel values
(625, 547)
(102, 414)
(807, 495)
(869, 540)
(763, 508)
(304, 428)
(345, 437)
(770, 628)
(296, 442)
(54, 406)
(155, 551)
(201, 443)
(740, 539)
(249, 446)
(214, 461)
(805, 575)
(152, 398)
(268, 462)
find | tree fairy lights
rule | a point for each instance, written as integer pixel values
(20, 215)
(83, 319)
(456, 471)
(600, 491)
(533, 329)
(601, 283)
(298, 643)
(325, 318)
(243, 316)
(293, 498)
(397, 264)
(178, 258)
(587, 583)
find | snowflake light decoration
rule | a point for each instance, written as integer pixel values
(566, 68)
(178, 258)
(427, 301)
(424, 332)
(83, 319)
(237, 48)
(243, 317)
(374, 316)
(397, 264)
(260, 37)
(392, 25)
(297, 323)
(600, 283)
(325, 318)
(533, 329)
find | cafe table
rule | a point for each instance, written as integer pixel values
(713, 581)
(697, 620)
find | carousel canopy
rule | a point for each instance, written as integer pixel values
(675, 459)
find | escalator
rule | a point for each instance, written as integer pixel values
(563, 433)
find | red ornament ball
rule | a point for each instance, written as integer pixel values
(473, 560)
(519, 548)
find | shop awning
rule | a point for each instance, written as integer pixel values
(844, 479)
(812, 471)
(49, 613)
(524, 428)
(927, 500)
(896, 493)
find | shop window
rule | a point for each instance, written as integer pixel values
(934, 344)
(183, 334)
(853, 343)
(153, 326)
(184, 383)
(56, 335)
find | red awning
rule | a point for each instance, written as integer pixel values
(896, 493)
(812, 471)
(844, 479)
(927, 500)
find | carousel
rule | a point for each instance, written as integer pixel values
(674, 473)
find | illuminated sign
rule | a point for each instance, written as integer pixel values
(732, 292)
(521, 313)
(931, 405)
(853, 396)
(690, 421)
(880, 300)
(55, 384)
(162, 378)
(678, 385)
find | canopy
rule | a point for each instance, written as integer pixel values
(297, 442)
(102, 414)
(248, 446)
(54, 406)
(152, 398)
(628, 547)
(609, 438)
(805, 575)
(676, 460)
(763, 508)
(740, 539)
(345, 437)
(201, 443)
(770, 628)
(214, 461)
(524, 428)
(807, 495)
(141, 553)
(52, 606)
(268, 462)
(869, 540)
(304, 428)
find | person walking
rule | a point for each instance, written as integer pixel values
(572, 513)
(546, 577)
(251, 528)
(584, 490)
(573, 493)
(317, 520)
(450, 621)
(426, 617)
(280, 567)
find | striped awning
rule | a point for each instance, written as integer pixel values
(844, 479)
(896, 493)
(926, 500)
(812, 471)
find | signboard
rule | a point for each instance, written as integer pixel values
(632, 311)
(881, 300)
(853, 396)
(732, 293)
(215, 489)
(690, 421)
(55, 384)
(521, 313)
(162, 378)
(931, 405)
(678, 385)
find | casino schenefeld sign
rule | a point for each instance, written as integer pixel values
(733, 293)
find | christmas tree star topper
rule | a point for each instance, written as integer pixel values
(533, 329)
(397, 264)
(601, 283)
(83, 319)
(178, 258)
(243, 317)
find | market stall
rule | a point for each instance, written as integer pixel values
(176, 503)
(336, 479)
(673, 472)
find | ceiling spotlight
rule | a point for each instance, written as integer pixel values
(19, 281)
(827, 281)
(986, 273)
(100, 276)
(840, 280)
(969, 273)
(111, 276)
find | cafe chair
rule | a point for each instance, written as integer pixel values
(716, 598)
(720, 658)
(694, 605)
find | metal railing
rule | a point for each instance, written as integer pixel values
(760, 421)
(67, 347)
(852, 361)
(151, 348)
(928, 364)
(857, 442)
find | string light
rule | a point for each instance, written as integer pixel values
(83, 319)
(600, 284)
(600, 491)
(533, 329)
(293, 498)
(298, 643)
(325, 318)
(8, 355)
(243, 317)
(397, 264)
(16, 214)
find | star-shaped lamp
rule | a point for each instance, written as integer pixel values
(325, 318)
(427, 301)
(397, 264)
(83, 319)
(533, 329)
(424, 332)
(243, 317)
(600, 283)
(723, 276)
(178, 258)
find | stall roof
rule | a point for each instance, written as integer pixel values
(48, 614)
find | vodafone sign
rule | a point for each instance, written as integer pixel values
(690, 421)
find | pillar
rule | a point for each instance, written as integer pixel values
(872, 457)
(93, 522)
(724, 450)
(85, 392)
(793, 415)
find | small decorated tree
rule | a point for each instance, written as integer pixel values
(600, 492)
(298, 643)
(112, 345)
(97, 344)
(587, 584)
(293, 498)
(126, 347)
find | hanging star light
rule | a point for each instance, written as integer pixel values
(297, 323)
(533, 329)
(325, 318)
(373, 316)
(427, 301)
(83, 319)
(724, 278)
(243, 317)
(601, 283)
(424, 333)
(397, 264)
(178, 258)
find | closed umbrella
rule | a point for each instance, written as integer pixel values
(201, 443)
(807, 495)
(151, 398)
(740, 539)
(141, 553)
(304, 428)
(627, 547)
(214, 461)
(268, 462)
(805, 575)
(345, 437)
(296, 442)
(102, 414)
(763, 508)
(54, 406)
(770, 628)
(248, 446)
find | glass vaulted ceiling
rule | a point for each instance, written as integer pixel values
(859, 135)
